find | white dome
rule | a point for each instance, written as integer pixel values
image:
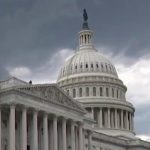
(91, 79)
(88, 62)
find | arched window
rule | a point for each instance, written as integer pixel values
(112, 92)
(85, 39)
(68, 92)
(117, 93)
(102, 67)
(81, 65)
(86, 65)
(74, 93)
(94, 91)
(101, 91)
(87, 91)
(96, 65)
(80, 92)
(107, 92)
(91, 65)
(110, 68)
(106, 68)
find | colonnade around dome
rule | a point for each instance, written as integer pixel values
(83, 91)
(112, 118)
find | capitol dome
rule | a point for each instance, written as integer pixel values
(87, 62)
(91, 79)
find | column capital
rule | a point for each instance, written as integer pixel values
(45, 114)
(64, 118)
(24, 108)
(81, 124)
(12, 105)
(55, 117)
(35, 111)
(72, 122)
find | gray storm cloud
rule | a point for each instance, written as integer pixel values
(35, 30)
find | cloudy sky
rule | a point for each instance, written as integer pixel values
(37, 36)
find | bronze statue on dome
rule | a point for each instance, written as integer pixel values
(85, 16)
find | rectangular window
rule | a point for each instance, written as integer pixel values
(101, 91)
(107, 92)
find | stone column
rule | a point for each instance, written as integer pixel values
(116, 119)
(104, 90)
(45, 132)
(24, 129)
(108, 118)
(89, 140)
(127, 121)
(12, 136)
(130, 122)
(76, 138)
(0, 129)
(51, 135)
(110, 92)
(97, 88)
(121, 119)
(80, 136)
(35, 131)
(77, 91)
(100, 118)
(72, 136)
(84, 39)
(64, 147)
(92, 112)
(83, 89)
(71, 93)
(55, 133)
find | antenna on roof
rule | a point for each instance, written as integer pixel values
(30, 82)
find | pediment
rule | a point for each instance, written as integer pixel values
(11, 82)
(53, 94)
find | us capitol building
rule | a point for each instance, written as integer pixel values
(85, 110)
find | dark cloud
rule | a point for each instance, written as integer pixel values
(33, 30)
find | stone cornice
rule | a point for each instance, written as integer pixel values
(139, 144)
(128, 143)
(26, 90)
(91, 79)
(108, 139)
(110, 104)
